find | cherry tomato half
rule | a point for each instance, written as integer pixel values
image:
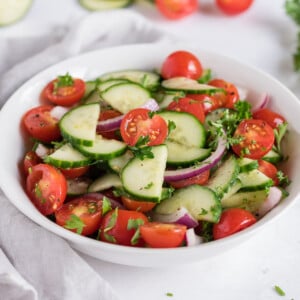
(176, 9)
(232, 220)
(200, 179)
(81, 215)
(41, 125)
(209, 102)
(142, 206)
(30, 159)
(181, 63)
(162, 235)
(137, 123)
(46, 187)
(65, 95)
(72, 173)
(269, 170)
(188, 105)
(106, 115)
(231, 92)
(233, 7)
(272, 118)
(122, 227)
(257, 138)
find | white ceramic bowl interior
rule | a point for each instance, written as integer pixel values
(149, 57)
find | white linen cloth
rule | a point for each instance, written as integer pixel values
(34, 263)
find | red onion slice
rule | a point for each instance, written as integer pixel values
(181, 216)
(262, 102)
(274, 197)
(208, 163)
(114, 123)
(192, 239)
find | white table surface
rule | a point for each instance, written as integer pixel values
(266, 38)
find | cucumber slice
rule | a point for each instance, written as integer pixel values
(79, 124)
(95, 5)
(108, 83)
(247, 164)
(250, 201)
(67, 157)
(105, 182)
(90, 86)
(149, 80)
(233, 189)
(93, 97)
(103, 149)
(126, 96)
(143, 179)
(273, 157)
(254, 180)
(13, 10)
(201, 202)
(183, 155)
(118, 163)
(224, 177)
(188, 85)
(78, 186)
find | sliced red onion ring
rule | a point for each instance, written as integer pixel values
(42, 151)
(192, 239)
(58, 111)
(208, 163)
(274, 197)
(181, 216)
(114, 123)
(114, 203)
(262, 102)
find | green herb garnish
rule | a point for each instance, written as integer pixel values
(135, 224)
(141, 148)
(62, 81)
(74, 222)
(279, 291)
(206, 76)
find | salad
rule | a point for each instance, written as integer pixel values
(153, 159)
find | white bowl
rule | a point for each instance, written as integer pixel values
(91, 65)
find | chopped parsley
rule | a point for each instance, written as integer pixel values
(38, 192)
(112, 221)
(74, 222)
(279, 290)
(171, 126)
(135, 224)
(106, 205)
(168, 294)
(141, 149)
(279, 133)
(62, 81)
(282, 178)
(206, 76)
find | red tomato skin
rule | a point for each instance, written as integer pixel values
(234, 7)
(174, 9)
(231, 92)
(30, 159)
(41, 125)
(232, 220)
(137, 123)
(181, 63)
(119, 232)
(80, 207)
(258, 138)
(46, 188)
(209, 102)
(65, 96)
(162, 235)
(269, 170)
(72, 173)
(188, 105)
(200, 179)
(272, 118)
(142, 206)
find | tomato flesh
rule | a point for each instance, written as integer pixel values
(231, 92)
(199, 179)
(233, 7)
(41, 125)
(256, 139)
(181, 63)
(46, 188)
(188, 105)
(176, 9)
(162, 235)
(142, 206)
(88, 213)
(137, 123)
(115, 227)
(65, 95)
(272, 118)
(269, 170)
(232, 220)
